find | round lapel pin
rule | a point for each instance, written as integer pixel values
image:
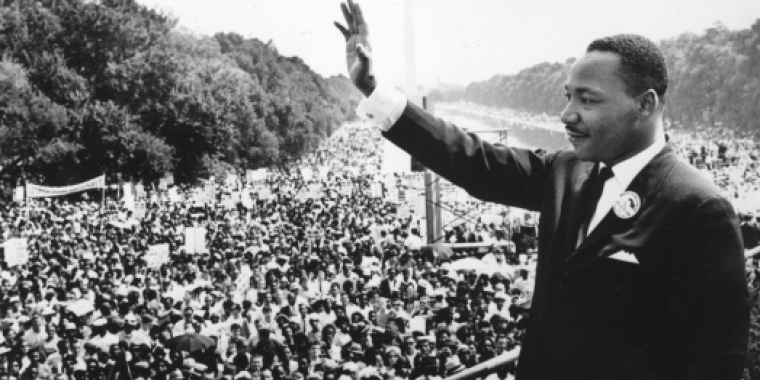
(627, 205)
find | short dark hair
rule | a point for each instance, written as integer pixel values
(642, 64)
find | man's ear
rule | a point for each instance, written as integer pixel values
(649, 102)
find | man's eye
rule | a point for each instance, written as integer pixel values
(588, 101)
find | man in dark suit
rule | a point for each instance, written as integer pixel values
(640, 272)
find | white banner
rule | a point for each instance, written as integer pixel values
(36, 191)
(157, 255)
(16, 252)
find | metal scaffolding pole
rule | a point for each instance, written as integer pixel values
(487, 367)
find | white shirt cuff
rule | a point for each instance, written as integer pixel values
(383, 107)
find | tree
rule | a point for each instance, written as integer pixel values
(30, 125)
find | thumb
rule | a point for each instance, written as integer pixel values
(363, 53)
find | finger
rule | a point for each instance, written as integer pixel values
(343, 30)
(352, 9)
(359, 19)
(347, 15)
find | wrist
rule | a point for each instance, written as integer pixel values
(368, 86)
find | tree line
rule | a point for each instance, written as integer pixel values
(714, 82)
(113, 87)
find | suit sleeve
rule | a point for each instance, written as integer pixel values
(711, 300)
(493, 173)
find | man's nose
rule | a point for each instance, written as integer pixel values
(569, 115)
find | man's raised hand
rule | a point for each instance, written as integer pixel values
(358, 51)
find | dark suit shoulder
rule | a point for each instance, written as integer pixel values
(687, 185)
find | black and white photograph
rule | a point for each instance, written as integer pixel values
(379, 190)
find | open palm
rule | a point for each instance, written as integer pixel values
(358, 51)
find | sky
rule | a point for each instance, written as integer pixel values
(456, 41)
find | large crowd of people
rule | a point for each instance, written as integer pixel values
(313, 273)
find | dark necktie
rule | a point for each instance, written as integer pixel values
(591, 199)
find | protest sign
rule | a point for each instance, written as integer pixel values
(415, 180)
(245, 198)
(18, 194)
(258, 175)
(140, 209)
(173, 195)
(307, 174)
(157, 255)
(210, 190)
(313, 233)
(129, 203)
(314, 191)
(376, 190)
(418, 324)
(140, 190)
(16, 252)
(195, 240)
(392, 195)
(228, 202)
(346, 189)
(127, 190)
(404, 211)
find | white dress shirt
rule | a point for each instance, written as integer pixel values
(624, 173)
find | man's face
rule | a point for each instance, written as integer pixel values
(257, 363)
(601, 119)
(315, 351)
(329, 334)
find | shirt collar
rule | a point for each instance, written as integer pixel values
(627, 170)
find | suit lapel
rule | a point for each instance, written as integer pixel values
(646, 184)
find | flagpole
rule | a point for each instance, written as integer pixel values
(102, 205)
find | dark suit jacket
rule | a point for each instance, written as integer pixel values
(681, 313)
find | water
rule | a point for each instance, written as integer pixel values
(547, 136)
